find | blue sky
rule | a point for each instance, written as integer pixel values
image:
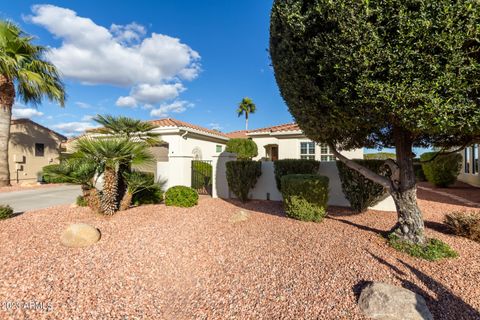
(220, 57)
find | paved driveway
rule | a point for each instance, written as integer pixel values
(25, 200)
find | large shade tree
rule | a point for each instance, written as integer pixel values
(381, 74)
(25, 75)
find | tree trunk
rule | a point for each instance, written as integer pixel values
(91, 196)
(7, 97)
(126, 201)
(410, 226)
(108, 203)
(122, 184)
(246, 120)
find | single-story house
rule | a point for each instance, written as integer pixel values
(31, 147)
(469, 172)
(287, 141)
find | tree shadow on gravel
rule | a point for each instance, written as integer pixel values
(274, 208)
(444, 304)
(439, 227)
(383, 233)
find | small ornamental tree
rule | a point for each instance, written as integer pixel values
(380, 74)
(245, 149)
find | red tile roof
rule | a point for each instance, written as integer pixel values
(238, 134)
(279, 128)
(170, 122)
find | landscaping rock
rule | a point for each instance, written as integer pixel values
(386, 302)
(239, 216)
(79, 235)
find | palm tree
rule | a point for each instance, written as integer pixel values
(246, 107)
(136, 182)
(79, 171)
(125, 127)
(109, 153)
(25, 74)
(131, 129)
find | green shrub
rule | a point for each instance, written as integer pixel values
(361, 192)
(419, 175)
(434, 249)
(465, 224)
(81, 201)
(202, 174)
(242, 175)
(294, 166)
(5, 211)
(379, 156)
(55, 173)
(153, 195)
(305, 196)
(181, 196)
(245, 149)
(443, 170)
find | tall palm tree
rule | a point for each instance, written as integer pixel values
(246, 107)
(23, 73)
(108, 153)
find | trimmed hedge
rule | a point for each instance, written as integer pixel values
(305, 196)
(242, 175)
(294, 166)
(361, 192)
(245, 149)
(443, 170)
(181, 196)
(5, 212)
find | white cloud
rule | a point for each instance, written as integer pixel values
(83, 105)
(154, 66)
(215, 126)
(128, 102)
(20, 111)
(87, 117)
(131, 33)
(76, 127)
(174, 107)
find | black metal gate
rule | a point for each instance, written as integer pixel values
(202, 176)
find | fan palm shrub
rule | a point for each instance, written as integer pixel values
(137, 182)
(109, 153)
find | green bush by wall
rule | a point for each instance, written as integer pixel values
(181, 196)
(361, 192)
(294, 166)
(242, 175)
(48, 173)
(305, 196)
(443, 170)
(245, 149)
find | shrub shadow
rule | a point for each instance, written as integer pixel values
(444, 304)
(383, 233)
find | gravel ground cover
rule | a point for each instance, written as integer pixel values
(223, 260)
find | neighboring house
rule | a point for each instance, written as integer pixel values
(31, 147)
(287, 141)
(469, 172)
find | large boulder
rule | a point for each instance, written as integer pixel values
(79, 235)
(386, 302)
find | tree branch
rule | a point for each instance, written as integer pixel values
(369, 174)
(443, 153)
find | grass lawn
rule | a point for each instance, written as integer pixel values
(224, 260)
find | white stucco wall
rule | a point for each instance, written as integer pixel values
(470, 178)
(289, 147)
(266, 186)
